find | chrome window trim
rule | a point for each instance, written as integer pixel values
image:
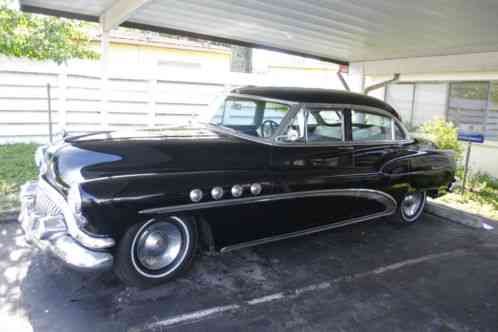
(234, 133)
(345, 142)
(93, 242)
(384, 198)
(295, 107)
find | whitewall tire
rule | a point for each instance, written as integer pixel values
(155, 251)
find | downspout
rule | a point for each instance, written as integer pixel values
(343, 81)
(381, 84)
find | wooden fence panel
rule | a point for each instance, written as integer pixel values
(82, 101)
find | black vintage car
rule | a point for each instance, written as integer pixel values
(264, 164)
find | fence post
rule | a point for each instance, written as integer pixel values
(104, 79)
(62, 109)
(152, 101)
(49, 100)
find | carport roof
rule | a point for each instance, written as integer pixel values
(340, 31)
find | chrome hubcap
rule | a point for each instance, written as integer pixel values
(159, 245)
(411, 204)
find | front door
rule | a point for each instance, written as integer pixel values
(314, 161)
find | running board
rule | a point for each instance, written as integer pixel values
(307, 231)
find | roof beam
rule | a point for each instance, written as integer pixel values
(119, 12)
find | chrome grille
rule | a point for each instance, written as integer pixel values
(44, 205)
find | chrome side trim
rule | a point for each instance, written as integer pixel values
(380, 196)
(307, 231)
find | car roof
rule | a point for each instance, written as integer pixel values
(313, 95)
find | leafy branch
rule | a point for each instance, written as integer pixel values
(42, 37)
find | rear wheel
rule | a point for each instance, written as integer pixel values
(410, 208)
(156, 251)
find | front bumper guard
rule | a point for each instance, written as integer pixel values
(49, 233)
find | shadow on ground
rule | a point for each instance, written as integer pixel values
(431, 276)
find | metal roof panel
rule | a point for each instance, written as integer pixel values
(341, 30)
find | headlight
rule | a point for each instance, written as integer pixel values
(74, 202)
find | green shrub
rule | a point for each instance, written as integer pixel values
(444, 135)
(17, 166)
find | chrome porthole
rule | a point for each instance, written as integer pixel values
(256, 189)
(412, 205)
(237, 190)
(217, 193)
(196, 195)
(159, 247)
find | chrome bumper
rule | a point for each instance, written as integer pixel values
(50, 233)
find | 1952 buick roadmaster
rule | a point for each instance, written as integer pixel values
(264, 164)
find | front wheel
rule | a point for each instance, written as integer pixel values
(410, 208)
(155, 251)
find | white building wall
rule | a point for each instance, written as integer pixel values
(432, 75)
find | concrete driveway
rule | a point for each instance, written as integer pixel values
(432, 276)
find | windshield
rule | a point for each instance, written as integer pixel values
(254, 117)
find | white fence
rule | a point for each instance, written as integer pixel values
(83, 100)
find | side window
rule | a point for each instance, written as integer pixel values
(239, 113)
(274, 112)
(296, 130)
(327, 126)
(316, 126)
(370, 127)
(271, 117)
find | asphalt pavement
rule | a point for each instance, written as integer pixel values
(432, 276)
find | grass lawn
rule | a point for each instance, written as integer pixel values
(481, 196)
(17, 166)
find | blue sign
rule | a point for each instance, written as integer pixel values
(470, 137)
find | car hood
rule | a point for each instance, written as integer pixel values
(179, 149)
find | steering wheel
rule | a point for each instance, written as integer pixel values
(268, 128)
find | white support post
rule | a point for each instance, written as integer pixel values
(119, 12)
(357, 77)
(104, 88)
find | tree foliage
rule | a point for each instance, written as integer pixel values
(444, 135)
(42, 37)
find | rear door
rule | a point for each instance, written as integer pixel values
(377, 138)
